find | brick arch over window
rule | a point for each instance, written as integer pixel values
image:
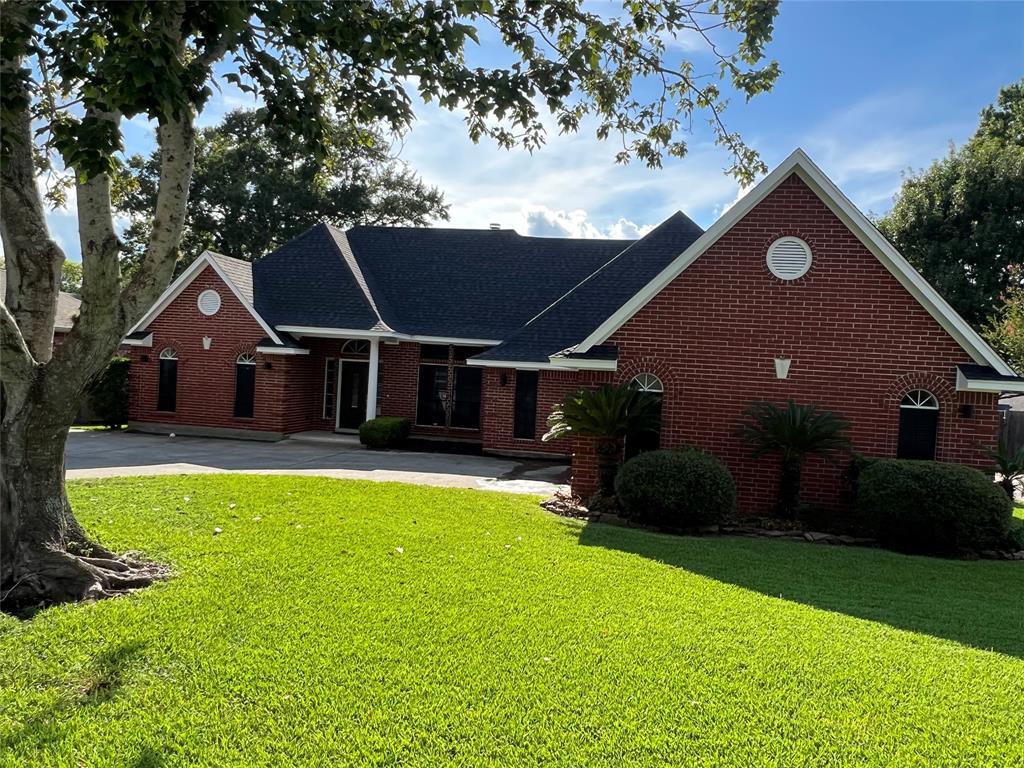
(944, 392)
(630, 369)
(229, 359)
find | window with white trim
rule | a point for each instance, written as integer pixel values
(919, 425)
(330, 387)
(167, 382)
(209, 302)
(789, 258)
(355, 347)
(245, 385)
(647, 441)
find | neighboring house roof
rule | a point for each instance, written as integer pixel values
(567, 321)
(67, 305)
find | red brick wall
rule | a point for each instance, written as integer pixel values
(206, 378)
(858, 340)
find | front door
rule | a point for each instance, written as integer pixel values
(352, 394)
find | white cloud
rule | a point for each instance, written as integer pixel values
(542, 221)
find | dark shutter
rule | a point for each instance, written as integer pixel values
(245, 390)
(167, 387)
(918, 428)
(466, 405)
(525, 415)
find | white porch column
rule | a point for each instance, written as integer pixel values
(371, 384)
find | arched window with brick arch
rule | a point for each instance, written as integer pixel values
(919, 425)
(245, 385)
(647, 441)
(167, 383)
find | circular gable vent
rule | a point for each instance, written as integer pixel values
(789, 258)
(209, 302)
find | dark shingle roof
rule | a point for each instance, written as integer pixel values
(575, 315)
(238, 270)
(973, 372)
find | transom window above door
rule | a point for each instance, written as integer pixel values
(648, 382)
(920, 398)
(355, 347)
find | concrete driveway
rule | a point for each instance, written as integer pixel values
(114, 454)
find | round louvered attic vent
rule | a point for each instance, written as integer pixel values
(209, 302)
(789, 258)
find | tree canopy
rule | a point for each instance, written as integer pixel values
(961, 221)
(249, 195)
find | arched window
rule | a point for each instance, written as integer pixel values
(647, 441)
(919, 425)
(167, 384)
(245, 385)
(355, 347)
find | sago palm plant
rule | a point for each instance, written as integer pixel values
(794, 432)
(609, 414)
(1008, 463)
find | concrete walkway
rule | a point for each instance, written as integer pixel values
(116, 454)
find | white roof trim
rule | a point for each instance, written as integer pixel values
(447, 340)
(519, 365)
(185, 279)
(282, 351)
(578, 364)
(146, 342)
(801, 164)
(356, 333)
(963, 384)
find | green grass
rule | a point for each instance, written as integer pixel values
(501, 635)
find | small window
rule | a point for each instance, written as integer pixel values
(167, 384)
(355, 347)
(789, 258)
(245, 385)
(330, 387)
(209, 302)
(647, 441)
(434, 352)
(919, 425)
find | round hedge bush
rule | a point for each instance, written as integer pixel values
(675, 489)
(931, 508)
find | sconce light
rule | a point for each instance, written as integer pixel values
(267, 366)
(145, 358)
(782, 364)
(967, 410)
(207, 341)
(503, 381)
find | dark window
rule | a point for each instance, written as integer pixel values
(650, 440)
(525, 414)
(167, 386)
(466, 401)
(433, 395)
(461, 353)
(245, 385)
(919, 425)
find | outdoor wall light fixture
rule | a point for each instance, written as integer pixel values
(782, 364)
(207, 341)
(504, 380)
(267, 366)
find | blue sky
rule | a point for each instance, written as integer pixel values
(868, 90)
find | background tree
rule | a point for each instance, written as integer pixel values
(1005, 329)
(73, 71)
(961, 222)
(249, 194)
(71, 276)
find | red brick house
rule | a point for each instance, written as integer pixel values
(475, 335)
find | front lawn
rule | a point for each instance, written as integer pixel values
(354, 623)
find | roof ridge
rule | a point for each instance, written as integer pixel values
(340, 240)
(608, 263)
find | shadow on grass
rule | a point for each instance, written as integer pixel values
(977, 603)
(96, 685)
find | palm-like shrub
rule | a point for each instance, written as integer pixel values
(1008, 463)
(794, 432)
(609, 414)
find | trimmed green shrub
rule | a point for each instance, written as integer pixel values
(1015, 535)
(930, 507)
(384, 432)
(108, 393)
(676, 489)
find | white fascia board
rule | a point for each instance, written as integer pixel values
(185, 279)
(333, 333)
(282, 351)
(448, 340)
(856, 221)
(963, 384)
(518, 365)
(146, 342)
(584, 365)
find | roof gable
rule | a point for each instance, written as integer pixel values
(800, 164)
(234, 273)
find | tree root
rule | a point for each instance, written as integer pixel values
(45, 577)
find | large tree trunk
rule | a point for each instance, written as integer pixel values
(45, 555)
